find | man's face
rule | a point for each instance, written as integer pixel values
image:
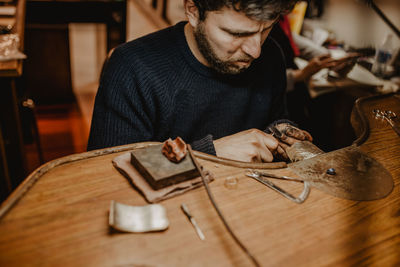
(229, 40)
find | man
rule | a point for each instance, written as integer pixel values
(216, 81)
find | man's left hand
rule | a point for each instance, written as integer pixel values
(291, 134)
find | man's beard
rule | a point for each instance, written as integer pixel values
(225, 67)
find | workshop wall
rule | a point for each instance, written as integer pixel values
(357, 24)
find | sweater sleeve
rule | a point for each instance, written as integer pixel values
(278, 105)
(205, 145)
(122, 112)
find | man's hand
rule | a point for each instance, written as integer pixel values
(314, 65)
(344, 65)
(250, 146)
(290, 134)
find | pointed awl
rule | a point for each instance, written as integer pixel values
(192, 221)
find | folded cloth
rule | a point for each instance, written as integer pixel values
(123, 164)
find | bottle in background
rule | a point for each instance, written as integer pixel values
(383, 55)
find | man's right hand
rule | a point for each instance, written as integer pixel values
(250, 146)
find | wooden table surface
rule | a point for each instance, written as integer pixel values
(59, 216)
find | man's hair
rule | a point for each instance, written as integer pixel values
(262, 10)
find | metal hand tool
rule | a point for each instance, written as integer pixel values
(192, 221)
(259, 176)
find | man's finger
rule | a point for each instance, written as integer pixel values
(281, 153)
(284, 146)
(289, 131)
(289, 140)
(323, 57)
(308, 136)
(326, 61)
(268, 145)
(295, 132)
(269, 141)
(266, 155)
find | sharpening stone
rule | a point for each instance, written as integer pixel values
(158, 170)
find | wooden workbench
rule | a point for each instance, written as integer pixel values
(59, 215)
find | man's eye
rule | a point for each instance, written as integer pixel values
(239, 34)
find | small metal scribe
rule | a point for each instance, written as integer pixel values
(193, 221)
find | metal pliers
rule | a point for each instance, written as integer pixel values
(259, 176)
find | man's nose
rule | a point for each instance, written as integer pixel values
(252, 46)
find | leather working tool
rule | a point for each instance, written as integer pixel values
(185, 210)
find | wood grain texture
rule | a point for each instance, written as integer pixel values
(61, 219)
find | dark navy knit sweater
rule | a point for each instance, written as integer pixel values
(153, 88)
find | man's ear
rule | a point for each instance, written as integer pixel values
(191, 12)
